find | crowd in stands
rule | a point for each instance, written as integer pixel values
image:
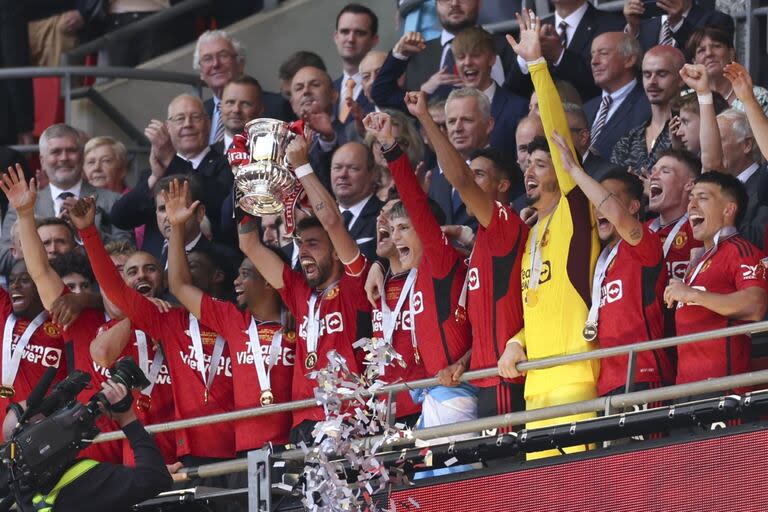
(475, 199)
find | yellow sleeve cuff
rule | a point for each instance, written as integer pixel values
(518, 338)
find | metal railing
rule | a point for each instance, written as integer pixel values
(629, 350)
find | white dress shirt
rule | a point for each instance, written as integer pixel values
(197, 159)
(618, 97)
(356, 210)
(215, 119)
(572, 21)
(358, 78)
(490, 91)
(747, 173)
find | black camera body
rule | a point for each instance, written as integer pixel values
(40, 451)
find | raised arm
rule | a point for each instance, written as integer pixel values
(695, 76)
(323, 204)
(550, 105)
(266, 262)
(107, 346)
(455, 168)
(630, 229)
(22, 196)
(179, 211)
(742, 87)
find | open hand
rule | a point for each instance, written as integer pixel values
(83, 213)
(529, 47)
(633, 13)
(177, 203)
(21, 196)
(740, 80)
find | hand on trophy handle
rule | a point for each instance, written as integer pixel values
(297, 152)
(238, 153)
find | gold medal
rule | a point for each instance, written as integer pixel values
(590, 331)
(531, 297)
(311, 360)
(460, 314)
(7, 391)
(144, 402)
(267, 398)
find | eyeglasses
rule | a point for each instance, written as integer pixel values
(223, 56)
(195, 118)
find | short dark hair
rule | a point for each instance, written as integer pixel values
(73, 262)
(501, 160)
(731, 187)
(716, 34)
(360, 9)
(248, 80)
(631, 182)
(308, 223)
(220, 259)
(689, 100)
(539, 142)
(398, 210)
(298, 60)
(686, 158)
(55, 221)
(195, 186)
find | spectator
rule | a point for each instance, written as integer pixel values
(742, 87)
(567, 39)
(623, 105)
(270, 230)
(241, 102)
(469, 123)
(105, 164)
(292, 64)
(61, 157)
(75, 271)
(671, 181)
(356, 33)
(566, 91)
(353, 178)
(437, 112)
(179, 146)
(528, 128)
(57, 236)
(725, 285)
(675, 25)
(685, 132)
(640, 148)
(430, 66)
(475, 55)
(595, 165)
(369, 70)
(714, 49)
(220, 59)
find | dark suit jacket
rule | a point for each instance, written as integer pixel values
(137, 207)
(507, 109)
(418, 69)
(361, 100)
(574, 67)
(597, 166)
(756, 217)
(277, 107)
(364, 228)
(698, 17)
(633, 111)
(441, 190)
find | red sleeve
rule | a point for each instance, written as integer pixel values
(142, 313)
(295, 290)
(442, 256)
(649, 251)
(747, 270)
(356, 284)
(5, 303)
(505, 228)
(222, 317)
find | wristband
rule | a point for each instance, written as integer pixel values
(384, 149)
(355, 267)
(705, 99)
(303, 170)
(514, 340)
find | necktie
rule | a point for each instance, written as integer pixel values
(456, 201)
(347, 215)
(449, 61)
(219, 128)
(563, 33)
(349, 89)
(602, 117)
(666, 34)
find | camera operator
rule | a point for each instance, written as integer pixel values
(91, 486)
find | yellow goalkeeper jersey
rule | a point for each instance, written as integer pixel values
(569, 248)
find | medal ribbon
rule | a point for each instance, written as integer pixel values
(12, 358)
(157, 362)
(601, 268)
(264, 374)
(413, 317)
(197, 345)
(313, 318)
(656, 225)
(724, 234)
(389, 317)
(535, 252)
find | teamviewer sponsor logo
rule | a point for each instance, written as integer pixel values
(51, 357)
(611, 292)
(473, 279)
(417, 304)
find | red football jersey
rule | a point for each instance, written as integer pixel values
(443, 337)
(232, 323)
(734, 266)
(494, 299)
(345, 317)
(679, 253)
(631, 310)
(44, 350)
(172, 330)
(402, 343)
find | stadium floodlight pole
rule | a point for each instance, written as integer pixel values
(468, 376)
(621, 401)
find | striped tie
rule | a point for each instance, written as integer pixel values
(602, 117)
(666, 34)
(563, 33)
(219, 128)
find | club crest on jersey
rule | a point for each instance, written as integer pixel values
(545, 238)
(289, 336)
(680, 240)
(208, 338)
(473, 279)
(51, 330)
(705, 266)
(333, 293)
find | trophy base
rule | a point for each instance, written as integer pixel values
(258, 205)
(261, 186)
